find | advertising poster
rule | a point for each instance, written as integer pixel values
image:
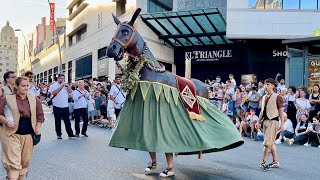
(313, 73)
(248, 78)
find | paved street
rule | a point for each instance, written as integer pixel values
(92, 159)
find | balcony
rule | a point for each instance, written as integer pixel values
(78, 11)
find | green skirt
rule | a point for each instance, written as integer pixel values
(154, 119)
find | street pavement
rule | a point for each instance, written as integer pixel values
(92, 159)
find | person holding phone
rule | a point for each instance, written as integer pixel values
(59, 95)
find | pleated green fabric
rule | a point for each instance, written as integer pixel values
(154, 119)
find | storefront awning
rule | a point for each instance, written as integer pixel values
(188, 28)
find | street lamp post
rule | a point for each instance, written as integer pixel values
(58, 42)
(25, 40)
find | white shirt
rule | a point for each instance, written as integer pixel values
(288, 126)
(279, 87)
(91, 103)
(61, 99)
(290, 97)
(33, 89)
(82, 101)
(252, 118)
(118, 95)
(110, 105)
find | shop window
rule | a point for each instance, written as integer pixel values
(159, 5)
(84, 67)
(291, 4)
(308, 4)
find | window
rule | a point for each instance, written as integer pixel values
(120, 7)
(55, 69)
(81, 34)
(70, 41)
(0, 70)
(291, 4)
(102, 53)
(63, 66)
(70, 65)
(1, 64)
(7, 70)
(308, 4)
(10, 39)
(284, 4)
(159, 5)
(5, 46)
(7, 64)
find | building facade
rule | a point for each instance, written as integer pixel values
(8, 50)
(90, 28)
(42, 49)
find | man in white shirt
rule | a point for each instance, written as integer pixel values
(80, 97)
(281, 84)
(59, 95)
(32, 86)
(117, 95)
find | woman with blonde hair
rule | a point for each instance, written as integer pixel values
(21, 116)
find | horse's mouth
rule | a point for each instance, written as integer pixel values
(119, 56)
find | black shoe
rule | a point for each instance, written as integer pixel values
(72, 136)
(77, 135)
(59, 137)
(85, 134)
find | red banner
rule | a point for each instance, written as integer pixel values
(37, 36)
(30, 47)
(44, 24)
(52, 7)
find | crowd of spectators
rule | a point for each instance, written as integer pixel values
(242, 104)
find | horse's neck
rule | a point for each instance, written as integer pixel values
(150, 56)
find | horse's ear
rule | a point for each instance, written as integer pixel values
(135, 15)
(116, 20)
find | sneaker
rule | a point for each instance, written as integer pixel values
(151, 166)
(306, 144)
(77, 135)
(264, 167)
(59, 137)
(319, 146)
(274, 164)
(278, 141)
(287, 141)
(167, 173)
(85, 134)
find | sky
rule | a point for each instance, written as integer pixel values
(26, 14)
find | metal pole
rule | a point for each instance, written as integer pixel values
(58, 42)
(25, 40)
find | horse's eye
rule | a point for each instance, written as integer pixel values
(125, 32)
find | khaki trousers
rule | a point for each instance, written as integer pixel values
(16, 153)
(270, 129)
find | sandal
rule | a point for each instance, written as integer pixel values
(274, 164)
(264, 166)
(151, 166)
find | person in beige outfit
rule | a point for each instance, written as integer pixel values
(9, 78)
(21, 116)
(271, 110)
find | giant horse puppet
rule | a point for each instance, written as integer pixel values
(163, 112)
(128, 40)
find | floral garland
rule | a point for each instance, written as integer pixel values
(132, 73)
